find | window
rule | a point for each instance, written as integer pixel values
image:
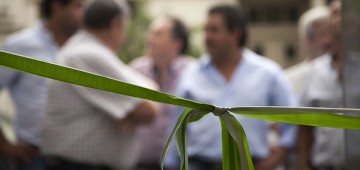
(290, 52)
(258, 49)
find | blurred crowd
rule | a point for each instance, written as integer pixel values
(62, 126)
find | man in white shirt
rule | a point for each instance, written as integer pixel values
(87, 129)
(164, 63)
(322, 148)
(315, 38)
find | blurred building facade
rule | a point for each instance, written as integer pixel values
(15, 15)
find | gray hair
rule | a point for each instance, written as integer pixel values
(309, 18)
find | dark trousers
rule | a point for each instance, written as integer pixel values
(155, 166)
(328, 168)
(196, 163)
(36, 163)
(56, 163)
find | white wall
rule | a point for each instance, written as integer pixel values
(16, 15)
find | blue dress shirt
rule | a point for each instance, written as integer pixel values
(28, 91)
(257, 81)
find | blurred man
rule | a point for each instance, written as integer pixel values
(323, 148)
(87, 129)
(164, 63)
(59, 20)
(232, 75)
(315, 37)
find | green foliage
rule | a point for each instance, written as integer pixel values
(135, 43)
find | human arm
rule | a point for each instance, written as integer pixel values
(20, 152)
(305, 140)
(281, 94)
(122, 108)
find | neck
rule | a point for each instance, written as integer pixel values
(227, 64)
(164, 63)
(59, 35)
(104, 37)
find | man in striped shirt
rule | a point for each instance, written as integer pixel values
(164, 62)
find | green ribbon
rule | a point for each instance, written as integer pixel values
(236, 154)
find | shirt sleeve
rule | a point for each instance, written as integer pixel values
(7, 75)
(283, 95)
(117, 106)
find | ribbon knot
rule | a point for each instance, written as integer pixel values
(219, 111)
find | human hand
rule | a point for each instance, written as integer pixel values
(266, 164)
(18, 152)
(126, 126)
(277, 157)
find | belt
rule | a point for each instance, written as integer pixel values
(54, 161)
(213, 165)
(148, 166)
(329, 167)
(204, 164)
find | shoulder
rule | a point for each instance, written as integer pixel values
(141, 62)
(23, 40)
(193, 73)
(323, 60)
(185, 59)
(193, 66)
(322, 70)
(182, 62)
(299, 70)
(82, 49)
(262, 63)
(298, 67)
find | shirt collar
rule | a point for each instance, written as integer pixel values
(45, 34)
(205, 60)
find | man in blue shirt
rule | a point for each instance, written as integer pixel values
(60, 19)
(231, 75)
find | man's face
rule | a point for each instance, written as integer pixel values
(160, 40)
(217, 37)
(320, 41)
(71, 15)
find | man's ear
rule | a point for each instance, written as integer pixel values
(178, 44)
(237, 33)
